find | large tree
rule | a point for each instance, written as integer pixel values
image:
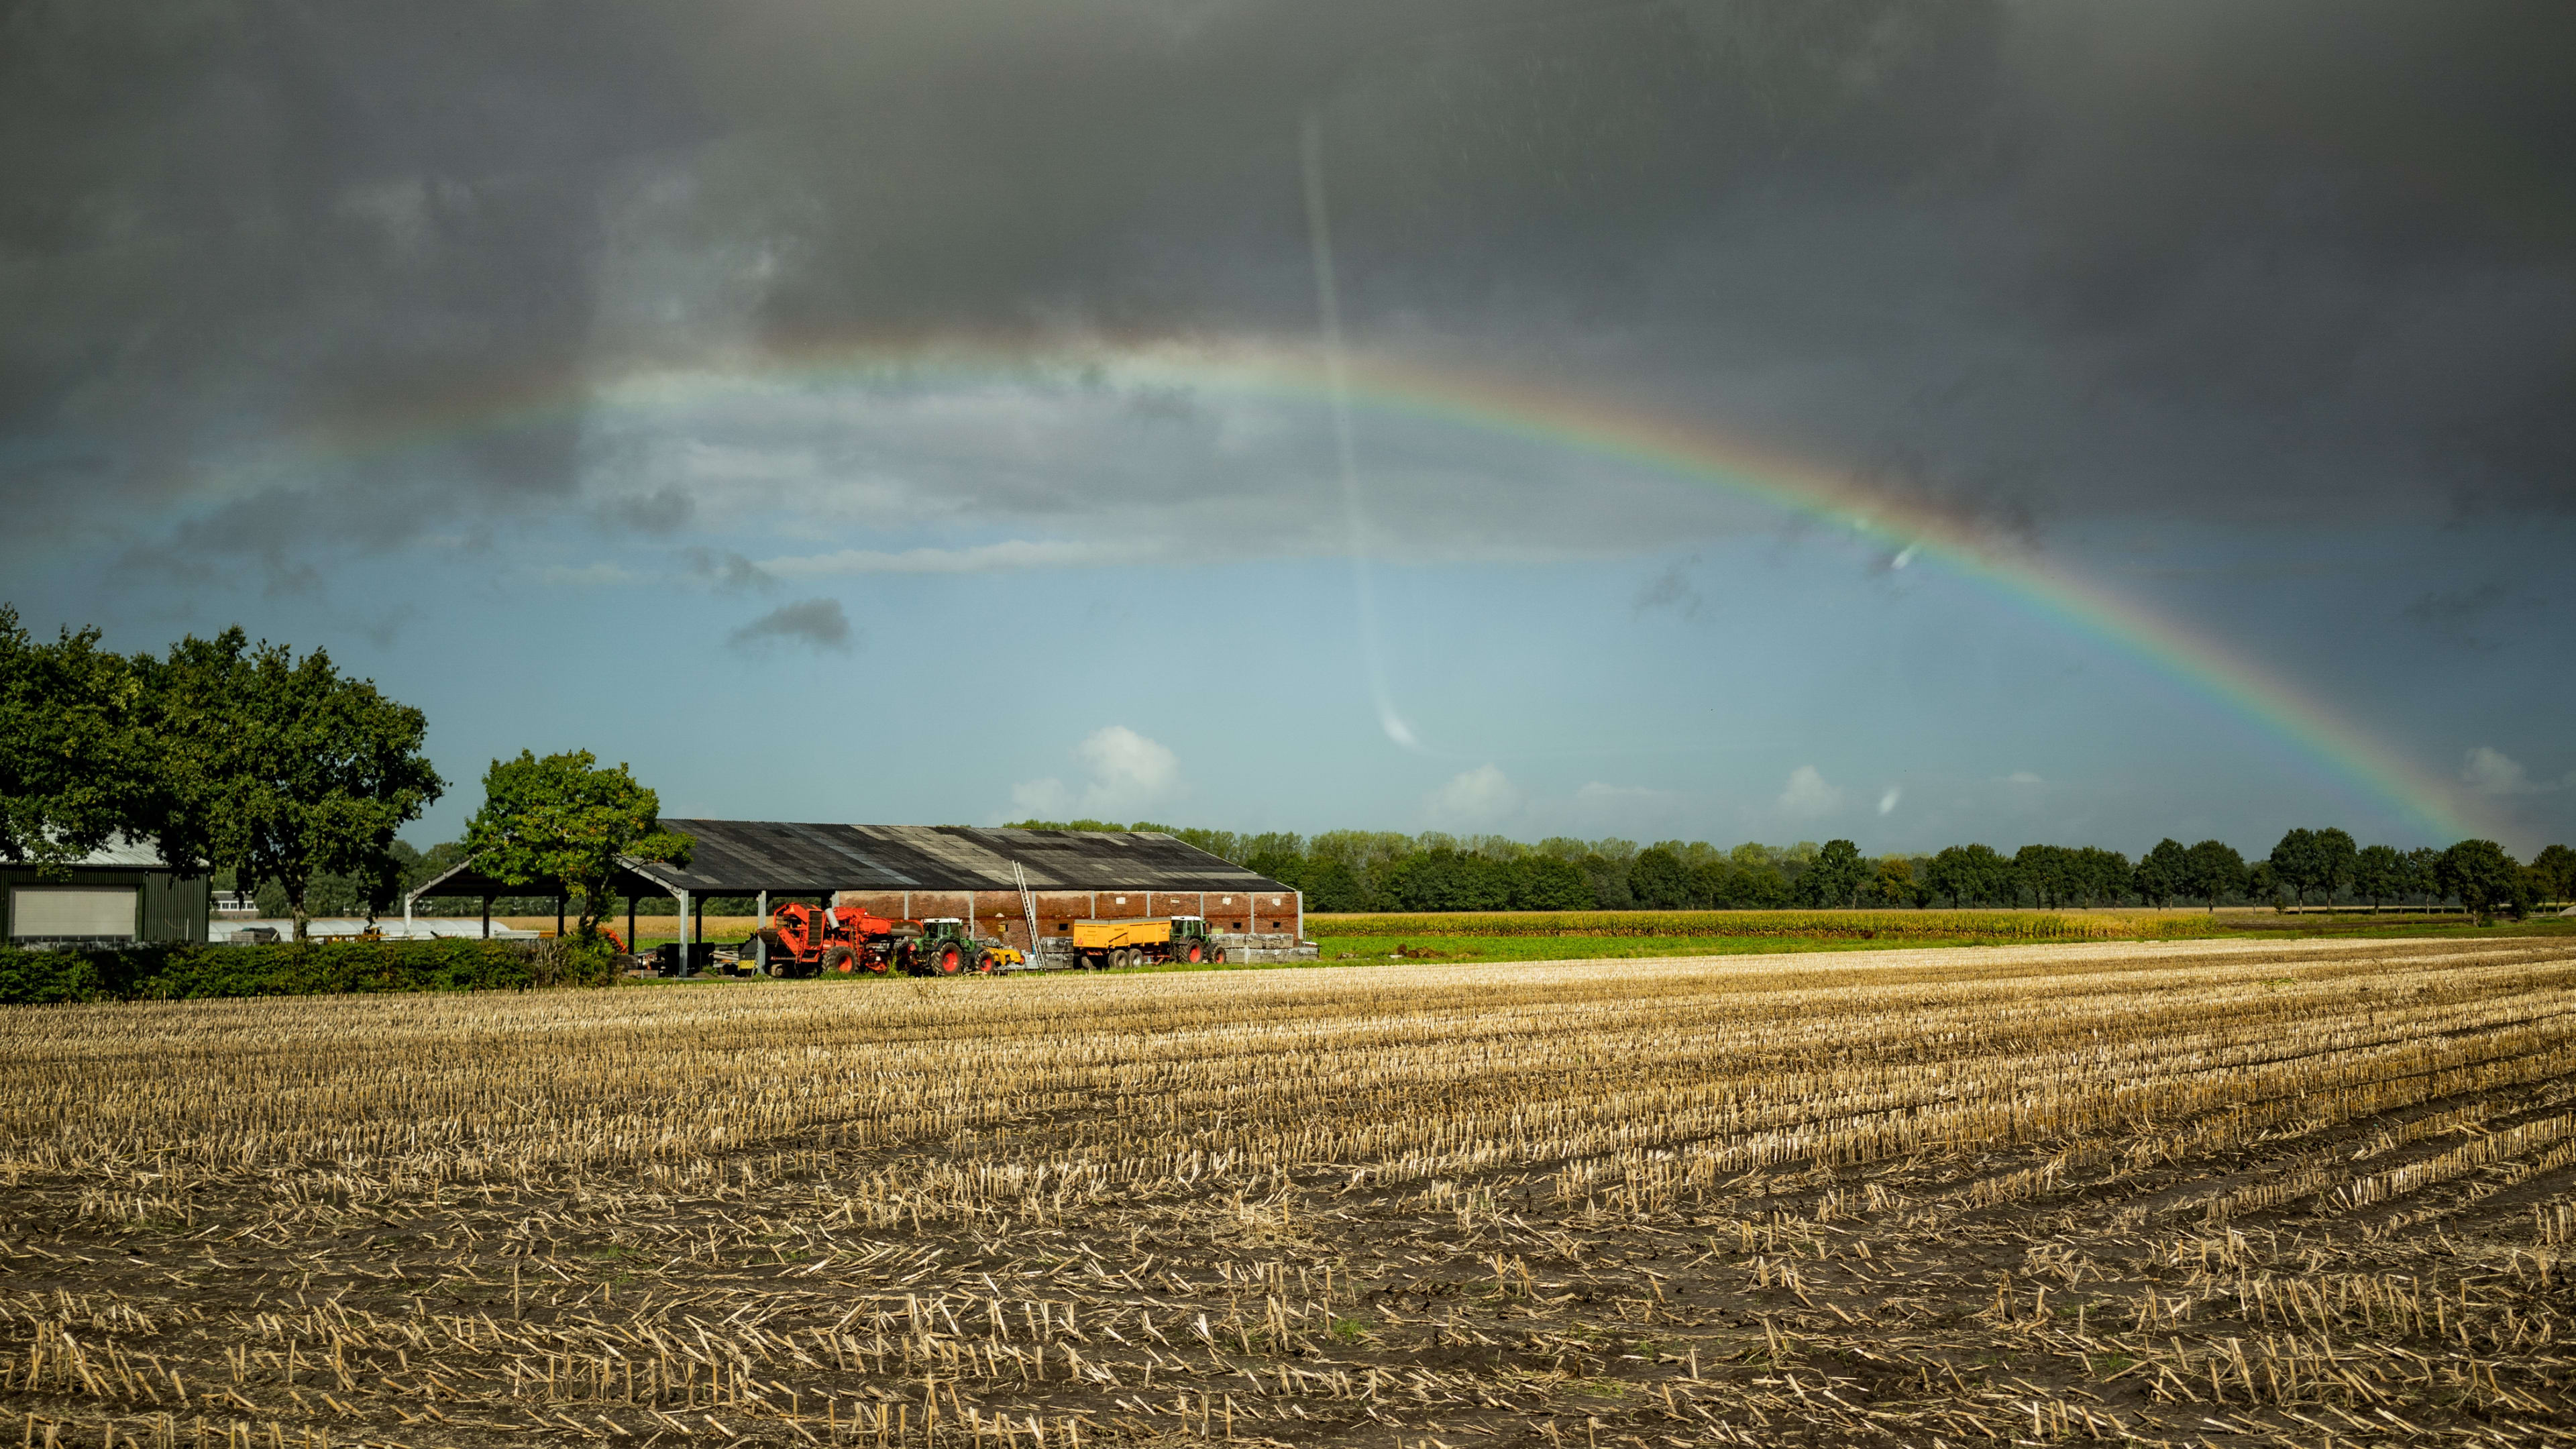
(2294, 862)
(562, 822)
(2481, 875)
(1659, 880)
(281, 769)
(2557, 867)
(2212, 869)
(74, 760)
(2102, 876)
(2418, 877)
(2043, 871)
(1834, 877)
(1895, 882)
(1968, 874)
(2163, 873)
(2378, 872)
(2335, 861)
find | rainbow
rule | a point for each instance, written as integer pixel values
(1542, 414)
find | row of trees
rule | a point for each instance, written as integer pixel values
(1352, 870)
(280, 777)
(229, 755)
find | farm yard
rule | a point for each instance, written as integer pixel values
(2193, 1192)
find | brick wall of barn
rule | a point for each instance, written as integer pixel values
(998, 913)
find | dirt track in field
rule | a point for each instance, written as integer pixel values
(2206, 1193)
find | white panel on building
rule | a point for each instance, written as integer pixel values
(53, 912)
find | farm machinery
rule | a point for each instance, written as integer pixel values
(1099, 944)
(808, 940)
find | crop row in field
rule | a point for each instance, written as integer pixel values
(2195, 1192)
(1882, 927)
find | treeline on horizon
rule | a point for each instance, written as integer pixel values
(1368, 870)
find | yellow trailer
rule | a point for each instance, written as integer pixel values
(1100, 944)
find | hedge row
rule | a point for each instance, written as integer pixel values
(298, 968)
(1806, 925)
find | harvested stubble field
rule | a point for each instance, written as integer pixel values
(2197, 1192)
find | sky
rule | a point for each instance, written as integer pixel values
(1915, 422)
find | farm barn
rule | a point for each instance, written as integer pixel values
(914, 872)
(119, 895)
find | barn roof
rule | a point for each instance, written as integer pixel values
(743, 857)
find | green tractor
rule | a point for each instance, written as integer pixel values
(1191, 942)
(946, 948)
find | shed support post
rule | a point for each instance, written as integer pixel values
(760, 947)
(681, 930)
(487, 918)
(406, 919)
(631, 948)
(1301, 915)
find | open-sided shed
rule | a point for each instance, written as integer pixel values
(1020, 885)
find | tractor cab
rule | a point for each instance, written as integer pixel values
(944, 948)
(1189, 928)
(945, 928)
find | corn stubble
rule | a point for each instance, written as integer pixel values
(2187, 1193)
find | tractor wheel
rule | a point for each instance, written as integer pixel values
(1217, 956)
(1121, 959)
(947, 961)
(1194, 952)
(985, 963)
(839, 958)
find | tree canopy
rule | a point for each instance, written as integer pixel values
(281, 769)
(562, 822)
(73, 763)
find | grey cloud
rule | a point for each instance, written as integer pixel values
(2466, 618)
(664, 510)
(1672, 589)
(2026, 264)
(727, 570)
(816, 622)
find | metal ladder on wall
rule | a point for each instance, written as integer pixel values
(1028, 910)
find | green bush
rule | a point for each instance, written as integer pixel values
(292, 968)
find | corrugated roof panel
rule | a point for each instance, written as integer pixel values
(745, 857)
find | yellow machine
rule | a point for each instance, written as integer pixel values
(1099, 944)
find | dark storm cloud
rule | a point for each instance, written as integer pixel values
(816, 622)
(2021, 263)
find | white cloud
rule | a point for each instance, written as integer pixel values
(2492, 772)
(1887, 802)
(1483, 796)
(983, 558)
(1130, 775)
(1808, 795)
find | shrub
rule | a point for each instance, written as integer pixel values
(298, 968)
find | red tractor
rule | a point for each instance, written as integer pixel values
(804, 940)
